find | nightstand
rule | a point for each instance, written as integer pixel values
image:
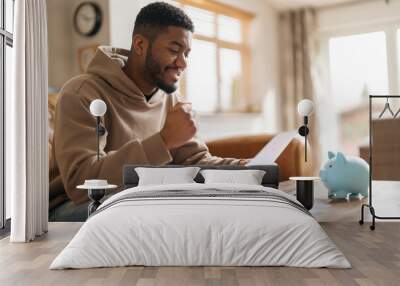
(96, 190)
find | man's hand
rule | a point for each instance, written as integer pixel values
(179, 126)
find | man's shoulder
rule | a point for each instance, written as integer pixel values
(77, 83)
(84, 87)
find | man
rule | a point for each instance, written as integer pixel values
(146, 122)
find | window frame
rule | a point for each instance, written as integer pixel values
(6, 39)
(245, 19)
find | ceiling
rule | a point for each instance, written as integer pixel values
(291, 4)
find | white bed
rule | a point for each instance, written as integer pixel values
(264, 229)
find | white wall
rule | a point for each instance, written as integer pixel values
(122, 19)
(101, 38)
(59, 41)
(265, 57)
(64, 42)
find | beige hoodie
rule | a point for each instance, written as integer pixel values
(132, 127)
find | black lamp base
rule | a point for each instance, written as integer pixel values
(305, 193)
(95, 195)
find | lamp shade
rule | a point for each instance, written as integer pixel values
(98, 107)
(305, 107)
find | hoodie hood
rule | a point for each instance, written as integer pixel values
(107, 64)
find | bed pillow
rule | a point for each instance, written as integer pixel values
(163, 176)
(248, 177)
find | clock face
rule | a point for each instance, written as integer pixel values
(87, 19)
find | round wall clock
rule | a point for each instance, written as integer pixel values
(88, 19)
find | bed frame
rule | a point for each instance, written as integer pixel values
(270, 179)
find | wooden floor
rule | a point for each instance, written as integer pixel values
(374, 255)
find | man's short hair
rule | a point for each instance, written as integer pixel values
(156, 17)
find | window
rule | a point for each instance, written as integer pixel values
(358, 67)
(6, 44)
(362, 61)
(217, 76)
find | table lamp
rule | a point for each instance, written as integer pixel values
(98, 108)
(96, 188)
(305, 108)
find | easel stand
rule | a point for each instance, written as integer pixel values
(370, 205)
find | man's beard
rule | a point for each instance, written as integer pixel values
(154, 72)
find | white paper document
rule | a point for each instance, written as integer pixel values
(271, 151)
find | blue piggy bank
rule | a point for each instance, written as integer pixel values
(345, 176)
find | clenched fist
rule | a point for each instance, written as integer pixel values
(179, 126)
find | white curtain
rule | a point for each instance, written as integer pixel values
(26, 123)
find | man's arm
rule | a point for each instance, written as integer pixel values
(195, 152)
(76, 148)
(192, 150)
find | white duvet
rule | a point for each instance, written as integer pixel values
(192, 231)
